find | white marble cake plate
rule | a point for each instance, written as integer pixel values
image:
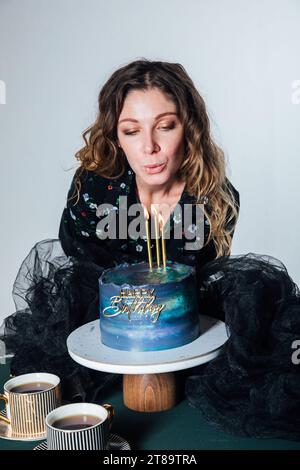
(85, 347)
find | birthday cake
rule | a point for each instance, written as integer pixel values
(148, 310)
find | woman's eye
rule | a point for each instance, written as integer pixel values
(130, 133)
(166, 128)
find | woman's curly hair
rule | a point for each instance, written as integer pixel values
(203, 167)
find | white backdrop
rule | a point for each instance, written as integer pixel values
(56, 54)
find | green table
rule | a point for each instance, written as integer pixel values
(181, 428)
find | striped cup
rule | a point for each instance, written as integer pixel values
(79, 426)
(29, 398)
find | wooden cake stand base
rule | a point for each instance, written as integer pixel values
(152, 392)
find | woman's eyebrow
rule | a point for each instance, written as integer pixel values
(157, 117)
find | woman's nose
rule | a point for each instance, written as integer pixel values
(150, 145)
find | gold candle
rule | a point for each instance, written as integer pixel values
(148, 237)
(156, 236)
(163, 241)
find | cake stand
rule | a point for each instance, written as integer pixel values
(150, 382)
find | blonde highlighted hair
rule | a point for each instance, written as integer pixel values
(203, 167)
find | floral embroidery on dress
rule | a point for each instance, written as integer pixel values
(85, 234)
(72, 215)
(139, 248)
(89, 200)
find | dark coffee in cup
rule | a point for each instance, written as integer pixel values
(31, 387)
(29, 398)
(79, 426)
(75, 422)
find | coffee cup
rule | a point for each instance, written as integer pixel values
(28, 399)
(79, 426)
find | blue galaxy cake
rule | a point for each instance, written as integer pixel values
(143, 310)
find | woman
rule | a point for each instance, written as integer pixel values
(151, 142)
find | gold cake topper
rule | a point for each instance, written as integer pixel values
(130, 301)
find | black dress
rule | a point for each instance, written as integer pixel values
(251, 389)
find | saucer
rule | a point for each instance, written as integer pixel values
(7, 433)
(115, 443)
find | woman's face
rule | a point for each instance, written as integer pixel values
(150, 134)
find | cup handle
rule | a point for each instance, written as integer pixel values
(111, 413)
(2, 418)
